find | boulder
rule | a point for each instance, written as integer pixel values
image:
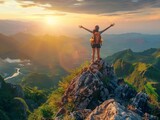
(149, 117)
(80, 114)
(112, 110)
(140, 102)
(124, 92)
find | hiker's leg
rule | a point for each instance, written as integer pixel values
(98, 53)
(93, 54)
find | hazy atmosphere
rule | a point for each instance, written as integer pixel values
(63, 17)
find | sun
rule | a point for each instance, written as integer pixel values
(50, 20)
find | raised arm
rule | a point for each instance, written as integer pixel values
(107, 28)
(85, 29)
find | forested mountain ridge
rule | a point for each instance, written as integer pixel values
(140, 69)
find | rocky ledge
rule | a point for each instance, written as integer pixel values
(97, 94)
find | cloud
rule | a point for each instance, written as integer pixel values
(122, 13)
(2, 1)
(141, 12)
(54, 14)
(95, 6)
(28, 3)
(9, 60)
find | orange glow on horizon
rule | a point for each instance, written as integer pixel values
(64, 22)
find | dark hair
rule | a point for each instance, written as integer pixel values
(96, 29)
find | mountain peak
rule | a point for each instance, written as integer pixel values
(97, 92)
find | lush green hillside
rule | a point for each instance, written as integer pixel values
(17, 102)
(123, 68)
(147, 56)
(39, 80)
(34, 97)
(140, 69)
(51, 106)
(37, 87)
(12, 103)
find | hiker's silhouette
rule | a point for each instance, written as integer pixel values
(96, 39)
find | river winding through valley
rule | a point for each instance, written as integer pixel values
(14, 74)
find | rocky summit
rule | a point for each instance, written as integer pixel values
(97, 94)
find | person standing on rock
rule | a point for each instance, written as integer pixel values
(96, 40)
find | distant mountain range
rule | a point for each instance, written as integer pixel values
(113, 43)
(38, 48)
(49, 54)
(23, 45)
(55, 53)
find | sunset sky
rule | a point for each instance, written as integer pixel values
(64, 16)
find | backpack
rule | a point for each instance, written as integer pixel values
(96, 38)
